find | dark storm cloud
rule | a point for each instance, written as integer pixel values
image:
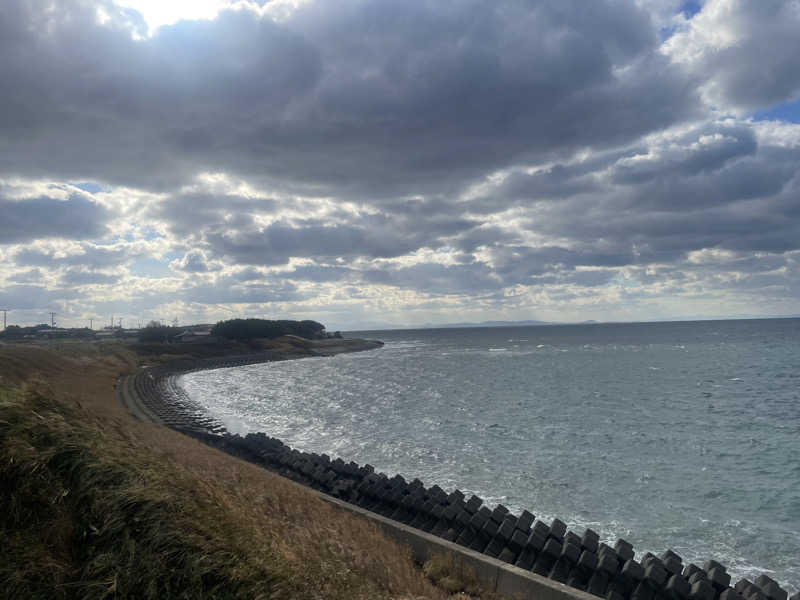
(372, 236)
(523, 265)
(555, 182)
(191, 213)
(712, 186)
(26, 220)
(375, 97)
(698, 151)
(484, 236)
(652, 236)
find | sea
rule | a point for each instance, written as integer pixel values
(679, 435)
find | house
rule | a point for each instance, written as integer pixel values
(195, 336)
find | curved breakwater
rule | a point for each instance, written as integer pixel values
(547, 549)
(671, 436)
(545, 546)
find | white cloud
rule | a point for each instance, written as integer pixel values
(166, 12)
(743, 53)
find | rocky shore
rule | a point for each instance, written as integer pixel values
(152, 393)
(548, 549)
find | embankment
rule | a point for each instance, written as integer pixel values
(97, 504)
(516, 549)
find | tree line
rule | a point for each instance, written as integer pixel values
(241, 329)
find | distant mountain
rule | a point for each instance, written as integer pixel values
(488, 324)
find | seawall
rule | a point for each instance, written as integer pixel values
(514, 555)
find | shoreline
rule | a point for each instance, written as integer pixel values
(546, 550)
(113, 505)
(152, 394)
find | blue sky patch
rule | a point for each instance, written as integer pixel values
(150, 267)
(90, 187)
(788, 112)
(690, 8)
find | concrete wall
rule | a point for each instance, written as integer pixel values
(493, 575)
(514, 555)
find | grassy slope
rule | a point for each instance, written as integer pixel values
(94, 504)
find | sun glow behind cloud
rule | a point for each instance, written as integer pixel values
(161, 12)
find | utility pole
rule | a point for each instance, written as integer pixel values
(53, 320)
(4, 311)
(120, 322)
(91, 323)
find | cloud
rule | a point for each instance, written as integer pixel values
(372, 236)
(322, 273)
(29, 276)
(194, 261)
(430, 156)
(226, 291)
(745, 52)
(29, 297)
(90, 256)
(438, 279)
(79, 277)
(371, 97)
(76, 217)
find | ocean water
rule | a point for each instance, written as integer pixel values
(670, 435)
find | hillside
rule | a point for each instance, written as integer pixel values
(96, 504)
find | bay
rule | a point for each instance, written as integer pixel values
(681, 435)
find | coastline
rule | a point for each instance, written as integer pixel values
(115, 505)
(152, 393)
(546, 550)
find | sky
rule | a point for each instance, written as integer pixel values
(378, 163)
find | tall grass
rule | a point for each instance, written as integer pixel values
(94, 507)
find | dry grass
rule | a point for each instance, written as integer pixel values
(97, 505)
(455, 579)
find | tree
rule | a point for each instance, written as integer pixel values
(248, 329)
(155, 332)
